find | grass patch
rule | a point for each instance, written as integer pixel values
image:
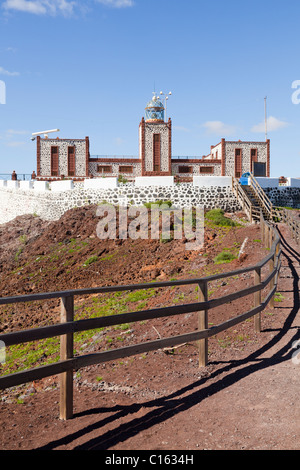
(38, 353)
(216, 216)
(278, 297)
(158, 203)
(137, 295)
(224, 257)
(90, 260)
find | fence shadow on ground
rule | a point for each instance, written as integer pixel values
(162, 409)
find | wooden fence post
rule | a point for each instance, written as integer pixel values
(257, 300)
(66, 352)
(272, 282)
(203, 325)
(266, 229)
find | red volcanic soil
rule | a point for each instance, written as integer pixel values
(246, 397)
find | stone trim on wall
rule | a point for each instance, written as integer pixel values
(87, 155)
(38, 155)
(223, 169)
(268, 157)
(170, 144)
(142, 145)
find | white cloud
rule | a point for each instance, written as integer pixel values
(10, 137)
(119, 141)
(273, 124)
(11, 49)
(40, 7)
(55, 7)
(15, 144)
(7, 73)
(117, 3)
(11, 132)
(181, 129)
(219, 128)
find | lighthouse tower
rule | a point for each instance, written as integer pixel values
(155, 140)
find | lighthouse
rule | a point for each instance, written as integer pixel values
(155, 140)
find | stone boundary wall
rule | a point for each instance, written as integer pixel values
(52, 205)
(284, 196)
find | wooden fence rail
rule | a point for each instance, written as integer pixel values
(66, 329)
(293, 224)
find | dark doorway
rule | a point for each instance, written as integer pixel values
(259, 169)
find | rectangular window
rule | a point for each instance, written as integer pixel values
(206, 169)
(238, 163)
(71, 161)
(104, 169)
(125, 169)
(185, 169)
(253, 159)
(156, 152)
(54, 161)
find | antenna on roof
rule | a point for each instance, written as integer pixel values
(43, 132)
(266, 121)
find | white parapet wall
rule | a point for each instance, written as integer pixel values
(294, 182)
(3, 183)
(41, 186)
(12, 184)
(63, 185)
(265, 182)
(154, 181)
(209, 181)
(26, 185)
(100, 183)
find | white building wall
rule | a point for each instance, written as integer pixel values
(216, 152)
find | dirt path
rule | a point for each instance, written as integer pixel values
(244, 399)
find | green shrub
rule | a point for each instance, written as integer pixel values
(224, 257)
(218, 218)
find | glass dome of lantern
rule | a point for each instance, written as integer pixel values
(155, 110)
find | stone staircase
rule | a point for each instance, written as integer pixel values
(257, 203)
(253, 200)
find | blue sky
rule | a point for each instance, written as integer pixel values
(89, 68)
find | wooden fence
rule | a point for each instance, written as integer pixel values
(66, 329)
(285, 215)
